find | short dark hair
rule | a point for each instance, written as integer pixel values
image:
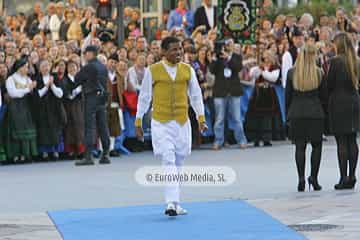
(165, 44)
(189, 41)
(92, 48)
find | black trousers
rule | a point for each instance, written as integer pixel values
(96, 119)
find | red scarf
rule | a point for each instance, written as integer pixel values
(182, 12)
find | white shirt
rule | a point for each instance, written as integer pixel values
(44, 23)
(58, 92)
(145, 97)
(287, 64)
(132, 79)
(112, 76)
(76, 91)
(54, 26)
(16, 85)
(210, 15)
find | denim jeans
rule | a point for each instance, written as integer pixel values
(221, 105)
(280, 93)
(245, 100)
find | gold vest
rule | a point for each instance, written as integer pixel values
(170, 98)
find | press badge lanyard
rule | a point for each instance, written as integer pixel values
(227, 70)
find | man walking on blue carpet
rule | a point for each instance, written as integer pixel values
(168, 84)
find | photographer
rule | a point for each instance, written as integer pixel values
(227, 92)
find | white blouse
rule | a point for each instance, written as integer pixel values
(272, 76)
(76, 91)
(17, 85)
(58, 92)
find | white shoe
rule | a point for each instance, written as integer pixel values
(180, 210)
(171, 210)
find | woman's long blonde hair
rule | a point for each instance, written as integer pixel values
(306, 76)
(345, 50)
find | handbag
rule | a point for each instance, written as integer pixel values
(130, 101)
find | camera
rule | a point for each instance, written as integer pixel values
(219, 48)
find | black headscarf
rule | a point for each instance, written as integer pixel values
(19, 64)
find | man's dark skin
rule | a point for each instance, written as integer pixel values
(173, 55)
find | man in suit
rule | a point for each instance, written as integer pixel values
(227, 93)
(205, 15)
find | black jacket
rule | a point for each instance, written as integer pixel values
(305, 105)
(344, 101)
(68, 86)
(200, 18)
(227, 86)
(93, 77)
(294, 53)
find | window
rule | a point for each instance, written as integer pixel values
(150, 5)
(132, 3)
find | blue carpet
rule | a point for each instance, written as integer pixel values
(226, 220)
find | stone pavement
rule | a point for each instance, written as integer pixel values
(266, 178)
(27, 227)
(314, 212)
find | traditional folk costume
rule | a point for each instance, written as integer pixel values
(196, 136)
(264, 106)
(74, 129)
(19, 126)
(167, 86)
(115, 88)
(2, 115)
(50, 116)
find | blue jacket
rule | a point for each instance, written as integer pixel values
(175, 20)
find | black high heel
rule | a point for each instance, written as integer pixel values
(343, 184)
(316, 186)
(351, 183)
(301, 185)
(267, 144)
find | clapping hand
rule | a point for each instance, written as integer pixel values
(32, 85)
(51, 82)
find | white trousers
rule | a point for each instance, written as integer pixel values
(172, 164)
(172, 143)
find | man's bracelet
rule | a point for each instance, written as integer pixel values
(138, 122)
(201, 119)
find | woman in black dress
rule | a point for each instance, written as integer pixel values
(50, 117)
(264, 105)
(73, 103)
(344, 103)
(305, 93)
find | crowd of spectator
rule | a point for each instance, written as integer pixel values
(52, 41)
